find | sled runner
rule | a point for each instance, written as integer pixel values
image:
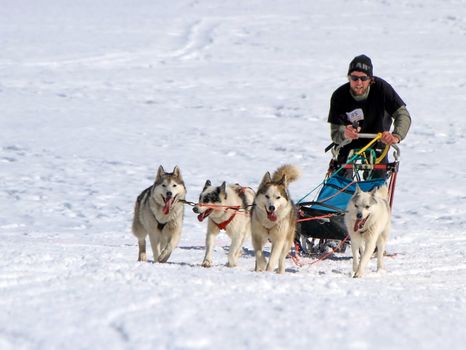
(321, 221)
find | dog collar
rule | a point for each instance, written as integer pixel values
(160, 225)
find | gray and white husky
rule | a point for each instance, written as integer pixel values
(368, 223)
(219, 204)
(159, 213)
(273, 218)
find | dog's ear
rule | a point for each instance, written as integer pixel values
(267, 178)
(177, 173)
(358, 190)
(160, 173)
(381, 192)
(207, 184)
(223, 189)
(283, 181)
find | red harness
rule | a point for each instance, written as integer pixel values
(223, 225)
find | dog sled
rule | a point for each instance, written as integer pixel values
(321, 226)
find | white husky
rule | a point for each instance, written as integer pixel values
(159, 213)
(220, 205)
(273, 218)
(368, 223)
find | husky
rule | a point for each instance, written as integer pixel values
(273, 218)
(220, 204)
(367, 220)
(159, 213)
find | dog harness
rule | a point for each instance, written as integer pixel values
(223, 225)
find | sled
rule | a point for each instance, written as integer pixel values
(321, 221)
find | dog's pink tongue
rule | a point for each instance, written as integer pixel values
(167, 206)
(201, 217)
(358, 225)
(272, 216)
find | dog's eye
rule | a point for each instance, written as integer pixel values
(163, 185)
(267, 196)
(356, 206)
(367, 207)
(205, 200)
(174, 185)
(278, 197)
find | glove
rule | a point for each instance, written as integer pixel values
(351, 133)
(389, 139)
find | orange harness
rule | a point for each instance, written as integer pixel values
(223, 225)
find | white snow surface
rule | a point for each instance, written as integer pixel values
(95, 95)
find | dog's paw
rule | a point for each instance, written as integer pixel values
(163, 257)
(206, 263)
(259, 268)
(142, 257)
(381, 271)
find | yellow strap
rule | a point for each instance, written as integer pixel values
(382, 156)
(375, 139)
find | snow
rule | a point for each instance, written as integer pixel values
(95, 95)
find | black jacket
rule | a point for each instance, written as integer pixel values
(378, 109)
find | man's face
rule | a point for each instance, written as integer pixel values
(359, 82)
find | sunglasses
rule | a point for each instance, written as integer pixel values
(356, 78)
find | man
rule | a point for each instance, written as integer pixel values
(366, 104)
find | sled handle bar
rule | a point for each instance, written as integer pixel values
(396, 154)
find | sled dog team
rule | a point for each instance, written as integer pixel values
(269, 215)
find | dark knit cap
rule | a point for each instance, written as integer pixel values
(361, 63)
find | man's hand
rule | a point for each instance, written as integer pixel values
(389, 139)
(351, 133)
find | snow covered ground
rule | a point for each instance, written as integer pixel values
(94, 95)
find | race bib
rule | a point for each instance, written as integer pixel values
(356, 115)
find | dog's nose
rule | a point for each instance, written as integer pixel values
(169, 194)
(196, 210)
(359, 215)
(271, 208)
